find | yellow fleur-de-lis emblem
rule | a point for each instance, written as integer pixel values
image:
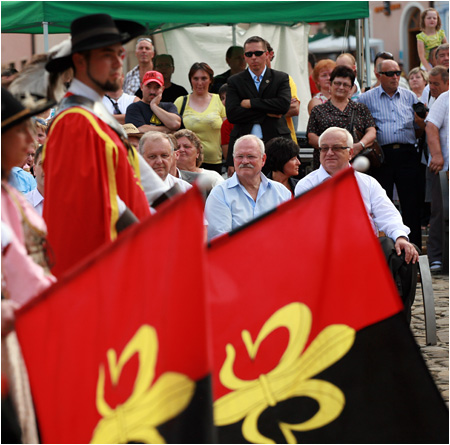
(290, 378)
(149, 405)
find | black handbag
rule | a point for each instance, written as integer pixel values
(374, 153)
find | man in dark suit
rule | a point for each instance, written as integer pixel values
(257, 98)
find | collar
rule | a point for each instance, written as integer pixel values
(382, 91)
(322, 174)
(254, 76)
(112, 98)
(234, 181)
(36, 197)
(79, 88)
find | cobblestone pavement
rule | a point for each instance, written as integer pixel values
(436, 357)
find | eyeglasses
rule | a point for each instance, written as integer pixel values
(334, 149)
(341, 84)
(384, 55)
(256, 53)
(391, 73)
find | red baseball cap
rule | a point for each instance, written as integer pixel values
(153, 76)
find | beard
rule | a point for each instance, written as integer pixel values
(106, 85)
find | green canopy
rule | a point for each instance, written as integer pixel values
(28, 16)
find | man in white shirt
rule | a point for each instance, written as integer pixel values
(335, 145)
(336, 150)
(36, 196)
(116, 102)
(428, 95)
(437, 137)
(157, 149)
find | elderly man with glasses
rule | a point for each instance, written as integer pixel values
(335, 145)
(392, 109)
(144, 53)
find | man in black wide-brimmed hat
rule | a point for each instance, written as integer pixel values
(91, 172)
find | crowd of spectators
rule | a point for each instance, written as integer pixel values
(131, 140)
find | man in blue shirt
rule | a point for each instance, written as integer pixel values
(392, 109)
(247, 194)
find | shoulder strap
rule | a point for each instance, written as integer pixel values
(351, 121)
(183, 106)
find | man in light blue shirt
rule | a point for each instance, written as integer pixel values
(22, 180)
(392, 109)
(247, 194)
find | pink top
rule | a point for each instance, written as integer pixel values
(22, 278)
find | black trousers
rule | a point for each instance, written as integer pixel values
(405, 275)
(402, 168)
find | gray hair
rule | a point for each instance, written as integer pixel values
(251, 137)
(440, 71)
(154, 136)
(147, 39)
(440, 48)
(348, 136)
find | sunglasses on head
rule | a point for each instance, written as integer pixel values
(385, 55)
(391, 73)
(256, 53)
(146, 39)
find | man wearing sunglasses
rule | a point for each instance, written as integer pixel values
(392, 109)
(257, 98)
(379, 57)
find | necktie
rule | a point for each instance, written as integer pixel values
(115, 105)
(258, 82)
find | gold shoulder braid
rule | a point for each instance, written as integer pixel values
(35, 239)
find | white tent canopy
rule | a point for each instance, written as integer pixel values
(332, 44)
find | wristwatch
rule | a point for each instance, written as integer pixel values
(362, 145)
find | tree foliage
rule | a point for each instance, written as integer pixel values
(337, 27)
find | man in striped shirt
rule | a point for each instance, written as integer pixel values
(392, 109)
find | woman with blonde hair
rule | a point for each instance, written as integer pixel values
(418, 80)
(190, 158)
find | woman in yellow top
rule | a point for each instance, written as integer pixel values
(203, 114)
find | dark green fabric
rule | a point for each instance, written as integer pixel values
(27, 16)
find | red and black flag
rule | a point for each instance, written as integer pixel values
(309, 339)
(117, 351)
